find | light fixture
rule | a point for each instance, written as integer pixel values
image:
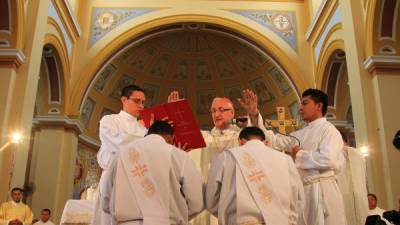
(16, 138)
(364, 151)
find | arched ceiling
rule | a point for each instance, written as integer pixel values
(200, 63)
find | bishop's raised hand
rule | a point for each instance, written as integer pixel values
(173, 96)
(249, 102)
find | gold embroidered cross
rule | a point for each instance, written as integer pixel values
(256, 176)
(139, 171)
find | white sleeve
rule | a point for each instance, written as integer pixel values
(329, 155)
(112, 139)
(192, 187)
(214, 183)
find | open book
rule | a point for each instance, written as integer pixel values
(186, 128)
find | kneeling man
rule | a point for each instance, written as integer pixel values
(271, 191)
(154, 183)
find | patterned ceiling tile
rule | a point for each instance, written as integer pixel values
(282, 23)
(280, 81)
(152, 92)
(242, 60)
(104, 76)
(160, 67)
(124, 81)
(181, 72)
(143, 57)
(225, 71)
(204, 100)
(233, 93)
(203, 71)
(106, 19)
(262, 90)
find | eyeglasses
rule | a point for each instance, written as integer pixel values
(136, 101)
(220, 110)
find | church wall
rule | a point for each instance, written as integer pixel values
(386, 85)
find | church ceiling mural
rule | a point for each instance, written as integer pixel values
(200, 63)
(282, 23)
(106, 19)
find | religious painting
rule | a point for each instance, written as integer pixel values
(181, 72)
(160, 67)
(280, 81)
(125, 56)
(225, 70)
(204, 100)
(203, 71)
(181, 90)
(104, 76)
(152, 92)
(87, 110)
(143, 57)
(233, 93)
(259, 86)
(124, 81)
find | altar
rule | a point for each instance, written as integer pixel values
(78, 212)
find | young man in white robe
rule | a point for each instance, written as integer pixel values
(154, 183)
(353, 185)
(318, 152)
(116, 131)
(254, 184)
(224, 135)
(44, 218)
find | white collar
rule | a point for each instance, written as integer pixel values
(127, 115)
(317, 121)
(229, 130)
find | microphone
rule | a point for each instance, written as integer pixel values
(276, 130)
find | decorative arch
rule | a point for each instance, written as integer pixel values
(382, 27)
(12, 23)
(323, 65)
(54, 87)
(115, 45)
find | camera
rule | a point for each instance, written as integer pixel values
(396, 140)
(392, 216)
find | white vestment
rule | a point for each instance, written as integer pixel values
(216, 141)
(229, 194)
(167, 178)
(116, 131)
(48, 222)
(353, 185)
(320, 158)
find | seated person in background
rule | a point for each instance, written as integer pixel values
(254, 184)
(44, 218)
(15, 212)
(373, 207)
(153, 182)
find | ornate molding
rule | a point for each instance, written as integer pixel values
(379, 62)
(89, 141)
(11, 57)
(63, 121)
(71, 18)
(317, 18)
(282, 23)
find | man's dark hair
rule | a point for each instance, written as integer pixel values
(46, 210)
(317, 96)
(127, 91)
(160, 127)
(373, 195)
(17, 189)
(252, 132)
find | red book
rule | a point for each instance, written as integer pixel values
(186, 128)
